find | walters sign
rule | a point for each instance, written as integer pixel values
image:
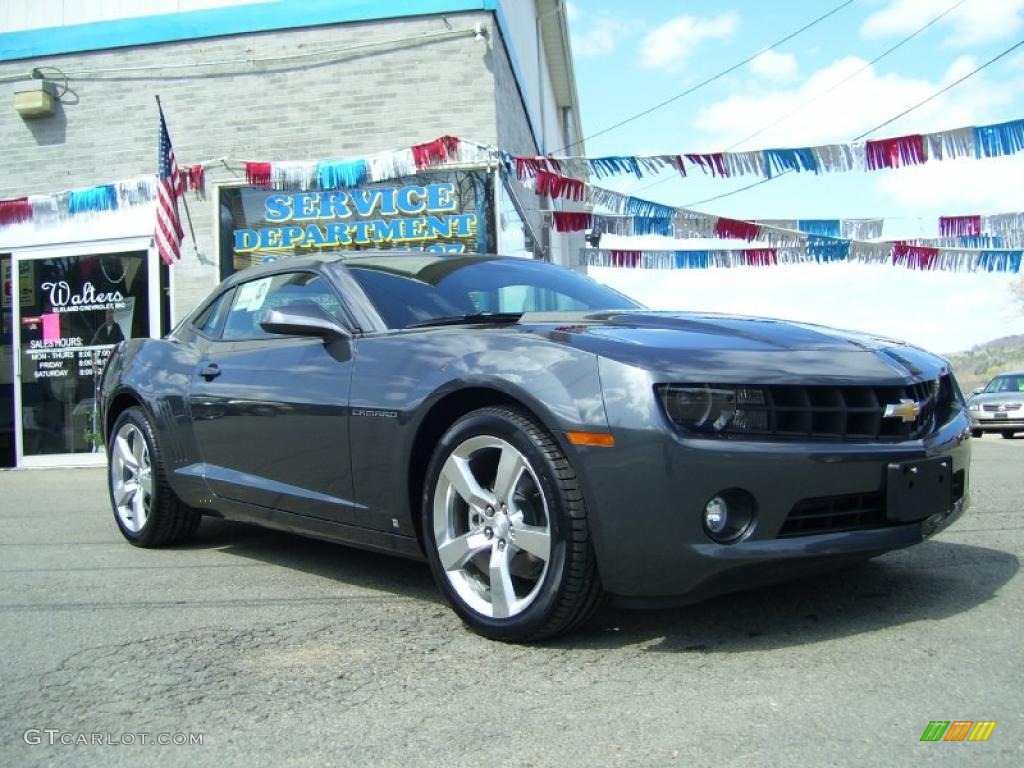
(431, 212)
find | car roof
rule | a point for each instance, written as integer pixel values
(332, 257)
(1008, 373)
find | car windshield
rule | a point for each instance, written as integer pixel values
(410, 290)
(1006, 384)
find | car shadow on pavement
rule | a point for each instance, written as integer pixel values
(347, 565)
(929, 582)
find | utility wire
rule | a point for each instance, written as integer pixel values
(892, 119)
(941, 91)
(829, 90)
(850, 77)
(37, 72)
(707, 81)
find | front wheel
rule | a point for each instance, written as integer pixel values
(976, 433)
(147, 511)
(505, 528)
(1007, 433)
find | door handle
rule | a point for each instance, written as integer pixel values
(210, 372)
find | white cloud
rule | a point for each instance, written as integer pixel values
(571, 11)
(994, 185)
(775, 66)
(974, 22)
(668, 46)
(597, 34)
(867, 100)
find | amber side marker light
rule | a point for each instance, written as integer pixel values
(601, 439)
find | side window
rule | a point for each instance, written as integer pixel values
(253, 299)
(209, 319)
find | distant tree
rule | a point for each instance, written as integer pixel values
(1017, 291)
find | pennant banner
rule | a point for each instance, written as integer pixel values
(910, 257)
(969, 243)
(303, 175)
(974, 142)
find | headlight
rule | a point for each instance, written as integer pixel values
(973, 406)
(713, 409)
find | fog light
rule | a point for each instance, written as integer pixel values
(716, 514)
(729, 515)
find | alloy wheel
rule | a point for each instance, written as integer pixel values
(492, 527)
(131, 477)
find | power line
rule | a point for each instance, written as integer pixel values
(829, 90)
(847, 79)
(708, 81)
(892, 119)
(941, 91)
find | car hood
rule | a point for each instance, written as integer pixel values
(714, 347)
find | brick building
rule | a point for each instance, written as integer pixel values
(279, 80)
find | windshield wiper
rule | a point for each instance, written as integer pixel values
(475, 318)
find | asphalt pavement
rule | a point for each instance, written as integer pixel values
(272, 649)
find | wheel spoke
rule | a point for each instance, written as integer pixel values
(139, 450)
(503, 596)
(139, 510)
(459, 474)
(123, 449)
(510, 469)
(145, 480)
(124, 493)
(533, 539)
(455, 553)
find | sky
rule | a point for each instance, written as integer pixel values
(629, 57)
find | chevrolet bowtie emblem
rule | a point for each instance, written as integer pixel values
(905, 409)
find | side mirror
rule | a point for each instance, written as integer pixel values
(977, 390)
(303, 319)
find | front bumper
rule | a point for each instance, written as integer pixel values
(990, 421)
(646, 498)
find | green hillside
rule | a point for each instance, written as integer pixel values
(979, 364)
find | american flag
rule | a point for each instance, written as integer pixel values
(168, 232)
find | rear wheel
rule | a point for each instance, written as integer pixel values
(147, 512)
(505, 528)
(976, 433)
(1007, 433)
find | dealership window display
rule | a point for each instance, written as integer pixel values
(71, 313)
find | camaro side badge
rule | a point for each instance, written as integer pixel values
(905, 409)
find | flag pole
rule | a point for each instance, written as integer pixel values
(184, 200)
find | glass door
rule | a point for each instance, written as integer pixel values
(7, 452)
(70, 309)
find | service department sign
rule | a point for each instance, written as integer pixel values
(429, 213)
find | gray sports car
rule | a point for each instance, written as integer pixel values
(541, 440)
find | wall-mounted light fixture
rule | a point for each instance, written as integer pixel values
(36, 98)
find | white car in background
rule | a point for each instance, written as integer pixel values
(998, 406)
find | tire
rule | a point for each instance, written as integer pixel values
(976, 433)
(146, 516)
(1007, 433)
(531, 534)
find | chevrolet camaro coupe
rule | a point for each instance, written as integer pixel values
(539, 439)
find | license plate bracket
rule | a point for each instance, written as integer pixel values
(917, 489)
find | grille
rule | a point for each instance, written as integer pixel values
(850, 512)
(992, 407)
(849, 413)
(853, 512)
